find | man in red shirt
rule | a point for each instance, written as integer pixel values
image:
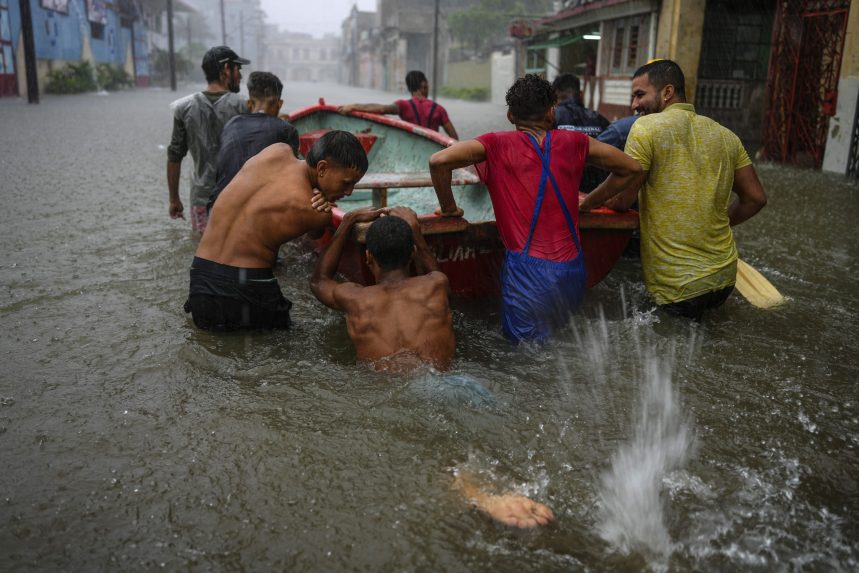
(533, 176)
(419, 109)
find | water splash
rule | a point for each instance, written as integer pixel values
(633, 511)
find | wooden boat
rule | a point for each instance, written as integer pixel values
(469, 249)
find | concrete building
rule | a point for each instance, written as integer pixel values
(358, 50)
(73, 31)
(380, 47)
(783, 76)
(297, 57)
(602, 41)
(406, 41)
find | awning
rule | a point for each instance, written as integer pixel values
(556, 42)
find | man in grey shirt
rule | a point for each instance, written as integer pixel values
(198, 120)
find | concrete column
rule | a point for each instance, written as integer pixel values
(681, 31)
(836, 155)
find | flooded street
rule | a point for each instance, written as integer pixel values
(131, 440)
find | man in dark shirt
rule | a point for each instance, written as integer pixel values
(246, 135)
(570, 113)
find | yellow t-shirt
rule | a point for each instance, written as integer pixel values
(687, 246)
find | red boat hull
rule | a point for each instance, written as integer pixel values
(472, 258)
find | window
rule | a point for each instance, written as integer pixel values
(632, 48)
(61, 6)
(625, 52)
(617, 50)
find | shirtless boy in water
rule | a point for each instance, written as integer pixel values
(402, 320)
(268, 203)
(405, 320)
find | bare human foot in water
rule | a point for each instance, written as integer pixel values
(510, 509)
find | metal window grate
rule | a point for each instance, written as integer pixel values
(853, 159)
(715, 94)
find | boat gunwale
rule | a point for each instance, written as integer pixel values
(623, 221)
(397, 123)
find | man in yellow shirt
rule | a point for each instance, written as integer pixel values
(691, 165)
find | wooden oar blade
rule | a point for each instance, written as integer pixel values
(755, 287)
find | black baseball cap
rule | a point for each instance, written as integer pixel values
(216, 57)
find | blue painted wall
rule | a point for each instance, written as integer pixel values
(60, 36)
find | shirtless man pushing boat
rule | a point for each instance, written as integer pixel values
(268, 203)
(403, 321)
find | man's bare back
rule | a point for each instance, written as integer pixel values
(267, 204)
(402, 320)
(408, 315)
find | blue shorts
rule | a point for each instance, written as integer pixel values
(539, 295)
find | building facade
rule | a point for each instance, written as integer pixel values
(358, 50)
(297, 57)
(73, 31)
(381, 47)
(782, 75)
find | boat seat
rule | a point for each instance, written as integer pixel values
(306, 140)
(419, 179)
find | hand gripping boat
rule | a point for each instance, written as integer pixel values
(468, 249)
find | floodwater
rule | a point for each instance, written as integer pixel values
(132, 441)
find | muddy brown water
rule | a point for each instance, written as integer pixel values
(132, 441)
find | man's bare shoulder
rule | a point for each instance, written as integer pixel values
(433, 280)
(278, 152)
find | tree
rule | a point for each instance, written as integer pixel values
(485, 23)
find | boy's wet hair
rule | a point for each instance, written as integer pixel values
(660, 73)
(530, 97)
(567, 83)
(414, 79)
(390, 241)
(340, 147)
(264, 85)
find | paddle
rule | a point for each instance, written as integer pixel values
(755, 288)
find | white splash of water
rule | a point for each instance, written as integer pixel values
(633, 511)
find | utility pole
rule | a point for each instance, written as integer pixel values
(29, 52)
(171, 52)
(223, 25)
(435, 51)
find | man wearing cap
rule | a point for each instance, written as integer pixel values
(198, 120)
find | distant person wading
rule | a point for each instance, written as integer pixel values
(419, 109)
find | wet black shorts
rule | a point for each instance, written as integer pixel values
(694, 307)
(223, 298)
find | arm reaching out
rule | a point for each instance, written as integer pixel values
(377, 108)
(322, 282)
(625, 178)
(751, 196)
(442, 163)
(451, 131)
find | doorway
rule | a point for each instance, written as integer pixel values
(803, 79)
(8, 79)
